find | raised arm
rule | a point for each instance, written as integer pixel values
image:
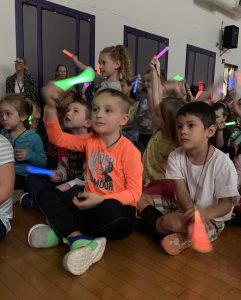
(156, 94)
(51, 94)
(78, 63)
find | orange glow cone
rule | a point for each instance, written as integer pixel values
(200, 241)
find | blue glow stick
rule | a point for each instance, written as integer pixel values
(231, 82)
(36, 170)
(135, 85)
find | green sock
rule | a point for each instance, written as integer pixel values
(83, 243)
(53, 240)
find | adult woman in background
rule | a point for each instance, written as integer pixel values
(61, 72)
(21, 82)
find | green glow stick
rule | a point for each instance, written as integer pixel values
(230, 123)
(178, 78)
(30, 120)
(87, 75)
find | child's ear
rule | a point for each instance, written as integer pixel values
(118, 64)
(211, 130)
(23, 117)
(124, 120)
(88, 123)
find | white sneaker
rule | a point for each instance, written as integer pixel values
(79, 260)
(42, 236)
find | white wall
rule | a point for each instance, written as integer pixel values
(183, 22)
(7, 41)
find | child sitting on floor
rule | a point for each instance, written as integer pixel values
(107, 208)
(27, 145)
(70, 163)
(204, 177)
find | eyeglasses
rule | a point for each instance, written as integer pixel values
(18, 62)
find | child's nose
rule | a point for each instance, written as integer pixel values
(99, 113)
(183, 130)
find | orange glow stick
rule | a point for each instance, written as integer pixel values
(200, 241)
(211, 98)
(97, 69)
(198, 94)
(68, 53)
(200, 90)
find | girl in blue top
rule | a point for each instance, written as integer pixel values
(28, 147)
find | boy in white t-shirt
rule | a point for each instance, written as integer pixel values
(203, 176)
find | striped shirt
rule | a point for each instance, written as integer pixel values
(6, 156)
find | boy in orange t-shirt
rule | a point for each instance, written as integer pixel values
(107, 208)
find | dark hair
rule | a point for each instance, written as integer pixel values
(194, 90)
(202, 110)
(24, 59)
(125, 102)
(57, 70)
(222, 105)
(23, 105)
(85, 104)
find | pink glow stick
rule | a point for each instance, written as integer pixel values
(219, 90)
(86, 85)
(68, 53)
(162, 52)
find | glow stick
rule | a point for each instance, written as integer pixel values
(68, 53)
(200, 90)
(86, 76)
(198, 94)
(238, 74)
(30, 120)
(98, 69)
(219, 90)
(162, 52)
(36, 170)
(211, 97)
(230, 123)
(86, 85)
(178, 78)
(231, 82)
(135, 85)
(200, 86)
(200, 240)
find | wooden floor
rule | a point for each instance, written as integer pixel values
(134, 268)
